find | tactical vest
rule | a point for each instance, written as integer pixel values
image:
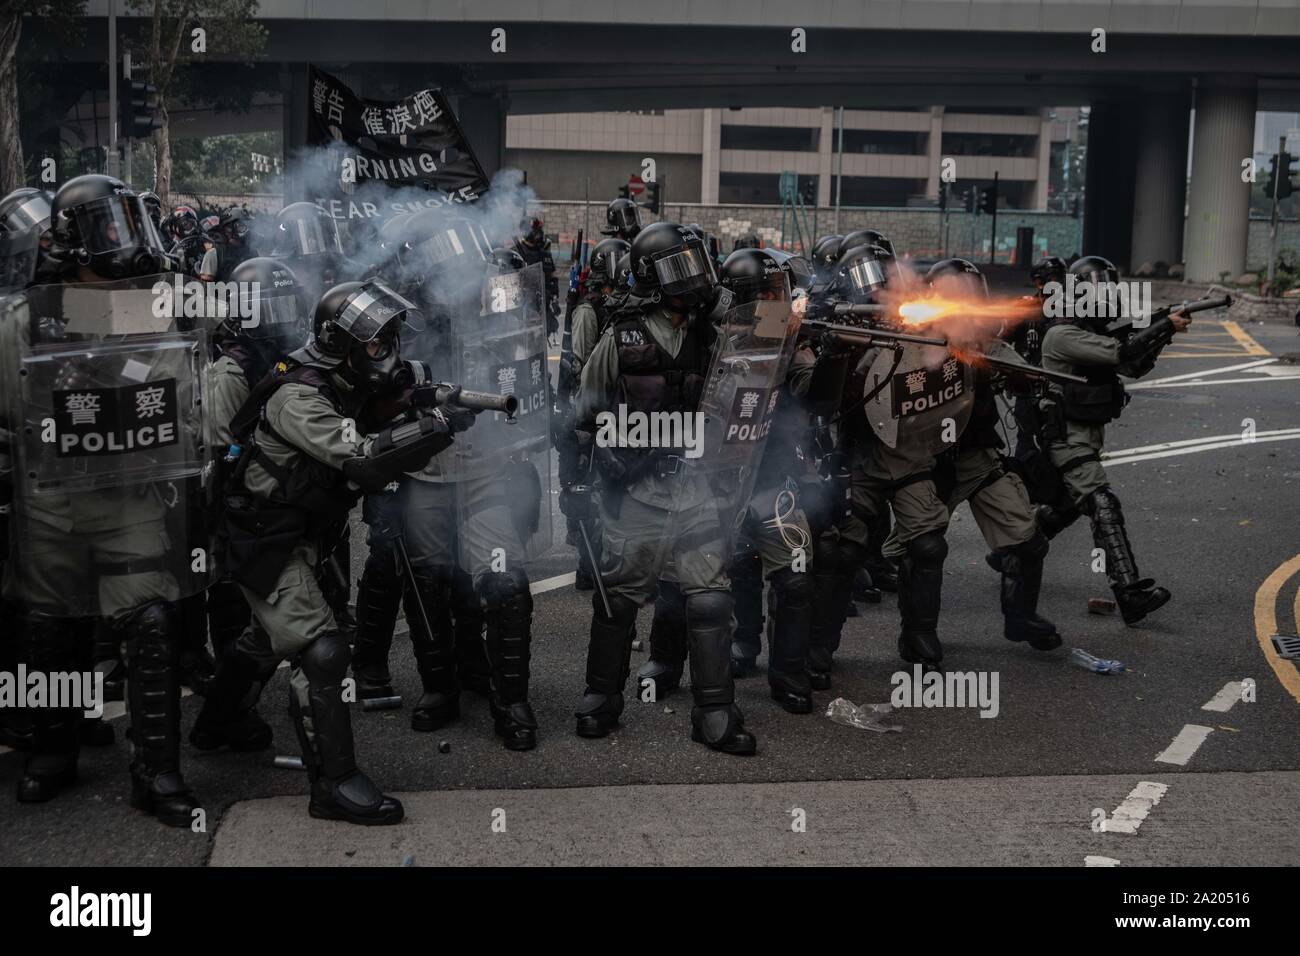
(1097, 403)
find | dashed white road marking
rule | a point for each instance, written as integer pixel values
(552, 584)
(1185, 745)
(1200, 375)
(1100, 861)
(1128, 816)
(1222, 701)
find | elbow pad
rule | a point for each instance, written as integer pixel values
(398, 450)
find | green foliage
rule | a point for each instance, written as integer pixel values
(1286, 275)
(223, 164)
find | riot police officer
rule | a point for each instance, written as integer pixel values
(622, 219)
(1073, 429)
(534, 247)
(654, 357)
(119, 547)
(310, 444)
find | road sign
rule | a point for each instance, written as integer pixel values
(635, 185)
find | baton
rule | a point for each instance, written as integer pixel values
(595, 568)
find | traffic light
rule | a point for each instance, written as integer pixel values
(972, 197)
(989, 200)
(652, 197)
(138, 110)
(624, 192)
(1279, 175)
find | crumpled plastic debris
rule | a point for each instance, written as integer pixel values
(866, 717)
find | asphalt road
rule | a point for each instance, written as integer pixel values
(1217, 525)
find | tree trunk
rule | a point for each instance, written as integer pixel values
(11, 141)
(162, 158)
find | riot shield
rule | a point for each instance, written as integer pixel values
(103, 392)
(504, 459)
(19, 252)
(914, 391)
(756, 343)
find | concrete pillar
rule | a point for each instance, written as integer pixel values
(482, 117)
(293, 111)
(1161, 180)
(1219, 202)
(1044, 178)
(710, 158)
(934, 153)
(1108, 181)
(826, 155)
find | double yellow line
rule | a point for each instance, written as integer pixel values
(1266, 624)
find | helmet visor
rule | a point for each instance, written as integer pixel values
(798, 269)
(279, 317)
(33, 212)
(113, 223)
(309, 236)
(864, 276)
(375, 306)
(625, 216)
(685, 270)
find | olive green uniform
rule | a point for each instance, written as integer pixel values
(1068, 348)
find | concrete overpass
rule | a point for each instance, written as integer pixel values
(1226, 58)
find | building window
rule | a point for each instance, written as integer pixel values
(883, 142)
(794, 139)
(989, 144)
(878, 191)
(760, 189)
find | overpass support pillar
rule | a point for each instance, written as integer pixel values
(1161, 181)
(483, 118)
(1108, 181)
(1219, 201)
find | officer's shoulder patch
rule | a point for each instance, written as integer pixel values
(630, 337)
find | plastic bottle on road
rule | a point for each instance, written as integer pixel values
(1097, 665)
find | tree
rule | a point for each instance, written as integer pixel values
(228, 28)
(65, 15)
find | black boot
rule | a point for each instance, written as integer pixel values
(49, 646)
(229, 718)
(1022, 580)
(1136, 596)
(154, 699)
(920, 587)
(716, 721)
(865, 590)
(884, 574)
(339, 791)
(508, 615)
(667, 642)
(378, 598)
(609, 652)
(835, 562)
(428, 612)
(790, 597)
(746, 574)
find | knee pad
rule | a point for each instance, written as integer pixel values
(1101, 505)
(709, 609)
(1035, 549)
(507, 588)
(325, 660)
(928, 550)
(149, 629)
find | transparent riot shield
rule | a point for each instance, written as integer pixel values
(502, 465)
(103, 393)
(756, 343)
(19, 252)
(920, 398)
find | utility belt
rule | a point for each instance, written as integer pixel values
(1097, 403)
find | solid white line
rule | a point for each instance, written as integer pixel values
(1228, 695)
(1260, 380)
(1130, 459)
(1203, 374)
(1185, 745)
(1128, 816)
(1187, 442)
(552, 584)
(1099, 861)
